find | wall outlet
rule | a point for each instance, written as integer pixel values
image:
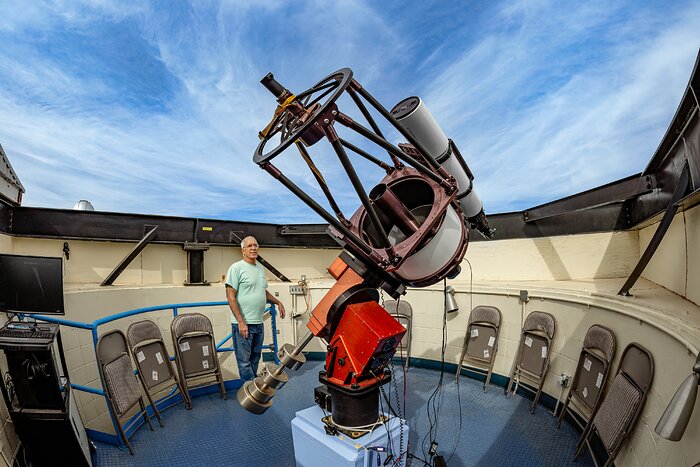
(296, 290)
(564, 380)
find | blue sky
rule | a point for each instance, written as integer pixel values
(154, 107)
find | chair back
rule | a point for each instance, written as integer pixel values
(602, 339)
(485, 314)
(539, 321)
(621, 408)
(193, 340)
(481, 340)
(402, 311)
(117, 374)
(535, 343)
(593, 366)
(150, 354)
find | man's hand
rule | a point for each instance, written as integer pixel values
(243, 330)
(280, 306)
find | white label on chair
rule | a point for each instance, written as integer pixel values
(159, 357)
(184, 346)
(585, 392)
(475, 333)
(486, 353)
(154, 375)
(544, 352)
(528, 341)
(140, 356)
(599, 381)
(205, 350)
(587, 364)
(492, 340)
(205, 363)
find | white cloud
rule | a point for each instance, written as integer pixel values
(537, 114)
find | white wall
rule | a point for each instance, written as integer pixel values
(573, 277)
(676, 263)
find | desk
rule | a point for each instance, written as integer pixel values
(313, 447)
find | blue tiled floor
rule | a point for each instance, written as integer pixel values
(495, 430)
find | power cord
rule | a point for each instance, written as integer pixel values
(435, 399)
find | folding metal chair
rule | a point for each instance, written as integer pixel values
(118, 379)
(481, 342)
(153, 362)
(589, 378)
(532, 360)
(195, 351)
(403, 313)
(619, 412)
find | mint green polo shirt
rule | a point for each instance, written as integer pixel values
(248, 280)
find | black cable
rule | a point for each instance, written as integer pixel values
(435, 399)
(396, 389)
(389, 442)
(413, 456)
(459, 395)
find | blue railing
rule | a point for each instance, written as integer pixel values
(93, 327)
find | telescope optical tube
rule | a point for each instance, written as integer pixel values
(413, 116)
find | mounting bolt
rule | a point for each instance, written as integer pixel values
(326, 121)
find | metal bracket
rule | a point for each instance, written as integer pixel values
(150, 235)
(660, 231)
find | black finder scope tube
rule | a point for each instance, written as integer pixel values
(272, 85)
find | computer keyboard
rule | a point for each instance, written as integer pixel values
(34, 333)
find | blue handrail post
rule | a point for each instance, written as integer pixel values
(273, 317)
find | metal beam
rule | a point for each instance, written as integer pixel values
(614, 192)
(130, 257)
(681, 188)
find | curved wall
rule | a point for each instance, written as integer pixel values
(573, 277)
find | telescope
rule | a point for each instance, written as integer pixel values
(410, 230)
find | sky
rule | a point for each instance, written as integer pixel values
(155, 107)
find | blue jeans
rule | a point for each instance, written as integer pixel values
(248, 350)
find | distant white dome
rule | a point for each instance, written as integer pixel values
(84, 205)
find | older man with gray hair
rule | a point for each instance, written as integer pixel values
(246, 292)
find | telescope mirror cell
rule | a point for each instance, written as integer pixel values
(438, 253)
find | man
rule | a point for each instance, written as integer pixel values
(246, 292)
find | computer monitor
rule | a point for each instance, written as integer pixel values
(31, 284)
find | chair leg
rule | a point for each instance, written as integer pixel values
(511, 382)
(123, 435)
(488, 377)
(184, 390)
(155, 409)
(563, 412)
(583, 440)
(178, 383)
(537, 397)
(220, 379)
(408, 356)
(145, 413)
